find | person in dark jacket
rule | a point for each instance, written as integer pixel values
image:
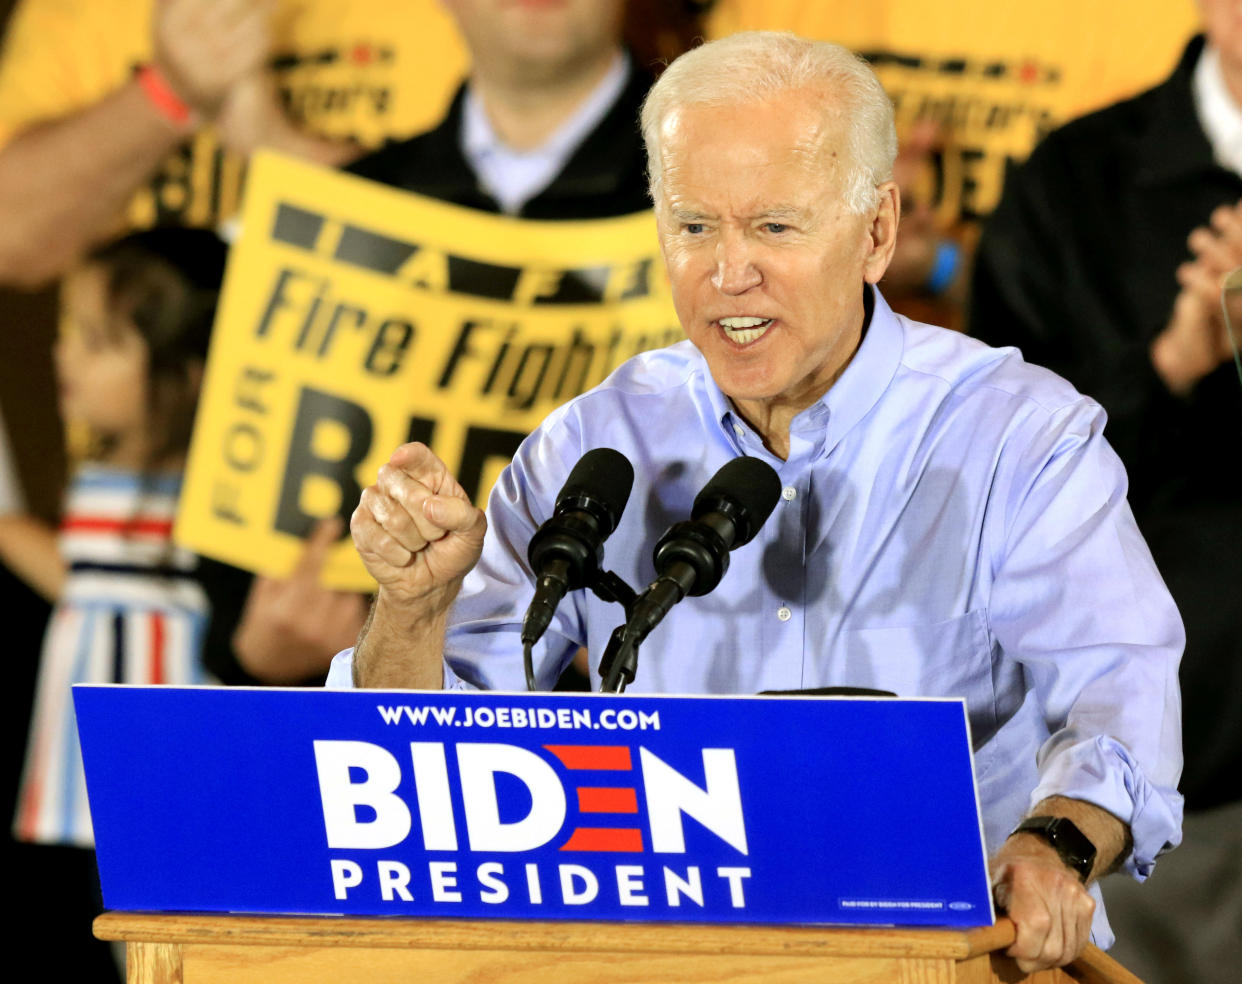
(544, 127)
(1104, 262)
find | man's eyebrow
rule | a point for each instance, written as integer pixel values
(684, 213)
(781, 212)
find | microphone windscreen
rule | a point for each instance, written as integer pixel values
(603, 475)
(750, 488)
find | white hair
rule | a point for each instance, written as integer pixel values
(752, 66)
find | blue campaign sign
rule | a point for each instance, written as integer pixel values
(549, 806)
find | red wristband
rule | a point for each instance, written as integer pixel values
(162, 96)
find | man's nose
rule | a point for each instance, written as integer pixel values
(736, 271)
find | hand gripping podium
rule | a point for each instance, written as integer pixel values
(373, 836)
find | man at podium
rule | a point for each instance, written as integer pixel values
(950, 520)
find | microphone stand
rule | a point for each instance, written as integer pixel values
(619, 663)
(608, 586)
(620, 660)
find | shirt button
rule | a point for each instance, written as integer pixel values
(739, 430)
(789, 493)
(784, 614)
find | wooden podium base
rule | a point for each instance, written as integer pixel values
(205, 949)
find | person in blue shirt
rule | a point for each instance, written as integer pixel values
(952, 522)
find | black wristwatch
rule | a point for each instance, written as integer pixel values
(1070, 843)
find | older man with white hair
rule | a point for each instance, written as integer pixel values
(952, 522)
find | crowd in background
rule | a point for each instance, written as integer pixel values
(1101, 257)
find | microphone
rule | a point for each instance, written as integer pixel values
(692, 557)
(567, 550)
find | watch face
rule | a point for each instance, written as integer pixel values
(1071, 844)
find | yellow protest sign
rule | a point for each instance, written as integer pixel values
(355, 317)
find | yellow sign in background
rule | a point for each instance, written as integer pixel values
(355, 317)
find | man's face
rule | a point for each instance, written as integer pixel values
(766, 264)
(532, 41)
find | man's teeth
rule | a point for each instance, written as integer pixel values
(744, 330)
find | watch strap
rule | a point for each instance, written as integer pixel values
(1073, 847)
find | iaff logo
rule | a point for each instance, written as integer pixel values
(513, 801)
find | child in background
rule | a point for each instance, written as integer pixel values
(127, 606)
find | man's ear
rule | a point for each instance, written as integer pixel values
(883, 232)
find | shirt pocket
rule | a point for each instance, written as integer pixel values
(952, 658)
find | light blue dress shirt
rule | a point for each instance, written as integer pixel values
(952, 523)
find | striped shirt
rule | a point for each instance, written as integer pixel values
(131, 611)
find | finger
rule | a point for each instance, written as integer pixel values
(1201, 341)
(400, 515)
(1021, 893)
(420, 462)
(1226, 222)
(1053, 919)
(1052, 946)
(402, 509)
(452, 514)
(1214, 250)
(1191, 313)
(373, 542)
(262, 591)
(1034, 924)
(1001, 894)
(1062, 942)
(1077, 930)
(1200, 281)
(1227, 213)
(316, 547)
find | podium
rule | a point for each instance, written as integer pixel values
(282, 836)
(213, 949)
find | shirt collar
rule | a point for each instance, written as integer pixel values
(1219, 115)
(849, 399)
(513, 177)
